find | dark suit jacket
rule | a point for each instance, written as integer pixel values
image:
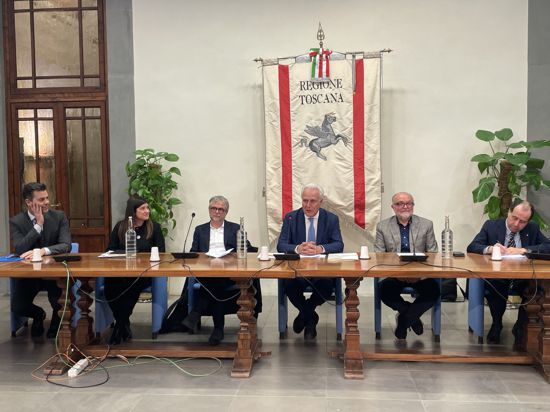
(201, 237)
(201, 243)
(55, 233)
(494, 231)
(293, 232)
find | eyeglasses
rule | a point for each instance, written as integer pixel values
(217, 209)
(403, 204)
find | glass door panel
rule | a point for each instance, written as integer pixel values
(37, 148)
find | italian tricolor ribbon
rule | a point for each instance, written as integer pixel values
(320, 65)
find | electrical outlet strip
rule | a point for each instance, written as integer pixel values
(78, 367)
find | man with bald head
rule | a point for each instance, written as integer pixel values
(407, 232)
(514, 235)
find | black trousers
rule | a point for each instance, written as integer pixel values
(426, 289)
(123, 294)
(25, 291)
(497, 291)
(217, 296)
(321, 292)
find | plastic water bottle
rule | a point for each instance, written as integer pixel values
(130, 240)
(241, 241)
(447, 240)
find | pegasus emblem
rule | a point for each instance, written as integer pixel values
(324, 136)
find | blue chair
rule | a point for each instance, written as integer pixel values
(17, 322)
(476, 311)
(159, 304)
(283, 307)
(436, 311)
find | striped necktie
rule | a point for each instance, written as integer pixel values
(511, 240)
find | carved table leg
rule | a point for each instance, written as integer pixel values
(534, 325)
(543, 355)
(353, 357)
(84, 332)
(58, 366)
(65, 335)
(247, 339)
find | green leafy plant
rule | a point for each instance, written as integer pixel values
(149, 181)
(507, 173)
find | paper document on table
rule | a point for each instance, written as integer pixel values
(311, 256)
(411, 254)
(218, 253)
(514, 257)
(112, 254)
(343, 256)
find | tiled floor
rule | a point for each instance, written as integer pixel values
(297, 376)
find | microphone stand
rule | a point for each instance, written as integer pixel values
(184, 254)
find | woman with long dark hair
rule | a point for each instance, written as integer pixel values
(123, 293)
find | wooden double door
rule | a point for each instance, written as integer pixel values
(64, 144)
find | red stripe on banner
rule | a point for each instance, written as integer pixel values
(359, 145)
(286, 143)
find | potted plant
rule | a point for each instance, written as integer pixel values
(507, 172)
(149, 181)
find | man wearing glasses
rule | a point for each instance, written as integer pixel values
(217, 294)
(407, 232)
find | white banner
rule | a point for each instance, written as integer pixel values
(326, 133)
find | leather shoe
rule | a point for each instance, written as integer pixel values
(401, 328)
(299, 323)
(216, 337)
(310, 332)
(493, 337)
(126, 331)
(37, 328)
(518, 331)
(191, 321)
(116, 336)
(54, 327)
(121, 333)
(417, 327)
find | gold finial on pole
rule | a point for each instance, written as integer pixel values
(320, 35)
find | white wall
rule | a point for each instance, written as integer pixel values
(458, 65)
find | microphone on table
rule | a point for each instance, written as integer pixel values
(184, 254)
(414, 257)
(287, 255)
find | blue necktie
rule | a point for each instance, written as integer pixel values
(311, 230)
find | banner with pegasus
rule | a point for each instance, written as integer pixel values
(323, 126)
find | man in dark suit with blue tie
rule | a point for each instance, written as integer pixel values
(309, 230)
(514, 235)
(38, 228)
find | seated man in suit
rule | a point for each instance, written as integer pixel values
(38, 227)
(216, 293)
(513, 235)
(309, 230)
(407, 232)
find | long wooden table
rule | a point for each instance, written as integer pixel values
(243, 271)
(537, 350)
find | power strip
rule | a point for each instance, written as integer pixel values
(78, 367)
